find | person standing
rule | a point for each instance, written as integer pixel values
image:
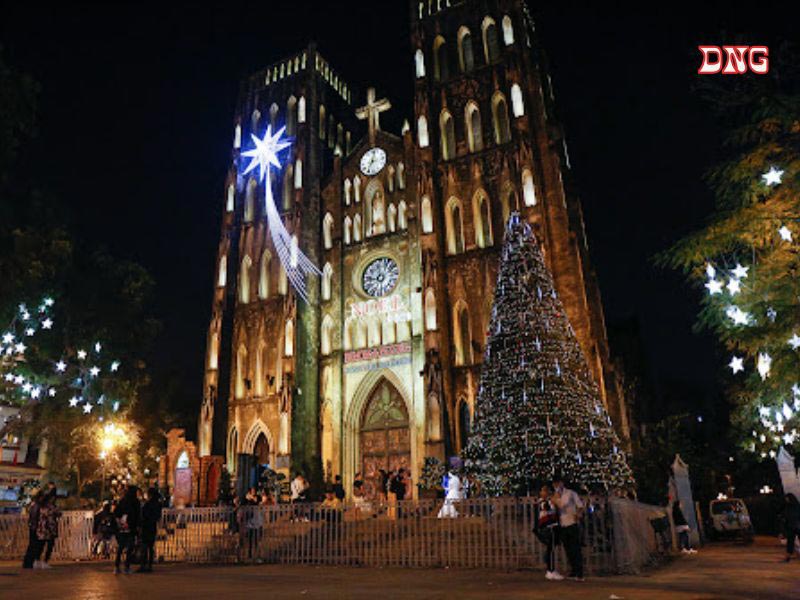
(546, 529)
(454, 492)
(570, 507)
(338, 488)
(34, 550)
(681, 528)
(151, 516)
(127, 514)
(791, 523)
(47, 527)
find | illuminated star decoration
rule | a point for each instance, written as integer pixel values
(87, 408)
(773, 176)
(73, 402)
(264, 156)
(785, 233)
(714, 287)
(61, 366)
(740, 272)
(764, 364)
(734, 287)
(81, 354)
(794, 341)
(736, 364)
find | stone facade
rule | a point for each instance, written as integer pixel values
(380, 367)
(188, 478)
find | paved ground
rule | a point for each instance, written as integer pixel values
(718, 572)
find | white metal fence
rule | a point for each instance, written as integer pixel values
(495, 533)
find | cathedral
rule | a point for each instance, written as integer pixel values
(379, 366)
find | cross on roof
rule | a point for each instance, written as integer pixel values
(371, 112)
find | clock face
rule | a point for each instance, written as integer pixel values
(373, 161)
(380, 277)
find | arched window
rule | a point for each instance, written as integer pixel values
(241, 371)
(528, 189)
(466, 58)
(294, 251)
(327, 231)
(426, 215)
(348, 230)
(348, 188)
(474, 130)
(301, 110)
(283, 282)
(482, 219)
(357, 228)
(517, 105)
(322, 122)
(231, 204)
(402, 215)
(464, 423)
(440, 68)
(288, 181)
(237, 137)
(401, 176)
(463, 339)
(430, 310)
(263, 276)
(502, 129)
(254, 119)
(448, 135)
(291, 116)
(213, 352)
(222, 274)
(391, 217)
(508, 31)
(422, 132)
(357, 189)
(509, 203)
(233, 450)
(326, 336)
(390, 178)
(258, 376)
(491, 47)
(419, 63)
(273, 114)
(244, 280)
(288, 338)
(455, 227)
(327, 277)
(250, 200)
(298, 174)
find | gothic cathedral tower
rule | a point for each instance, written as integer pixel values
(489, 143)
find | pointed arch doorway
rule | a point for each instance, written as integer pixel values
(385, 439)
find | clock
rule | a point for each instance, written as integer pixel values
(373, 161)
(380, 277)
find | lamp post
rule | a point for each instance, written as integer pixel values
(110, 436)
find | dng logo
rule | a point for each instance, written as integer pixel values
(737, 60)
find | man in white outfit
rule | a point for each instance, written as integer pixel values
(570, 510)
(454, 492)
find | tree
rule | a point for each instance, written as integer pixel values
(538, 414)
(748, 256)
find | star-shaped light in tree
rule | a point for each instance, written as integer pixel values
(764, 365)
(97, 347)
(794, 341)
(73, 402)
(773, 176)
(61, 366)
(8, 338)
(737, 315)
(36, 392)
(47, 324)
(734, 287)
(20, 348)
(30, 331)
(714, 287)
(48, 301)
(94, 371)
(87, 408)
(51, 392)
(785, 233)
(265, 154)
(740, 272)
(711, 271)
(9, 377)
(736, 364)
(81, 354)
(114, 366)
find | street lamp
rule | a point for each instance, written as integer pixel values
(110, 437)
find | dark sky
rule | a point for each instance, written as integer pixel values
(136, 121)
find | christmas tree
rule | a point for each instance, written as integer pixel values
(539, 413)
(748, 259)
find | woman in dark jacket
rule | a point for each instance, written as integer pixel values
(791, 523)
(34, 546)
(127, 513)
(151, 515)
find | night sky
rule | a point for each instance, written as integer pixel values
(135, 129)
